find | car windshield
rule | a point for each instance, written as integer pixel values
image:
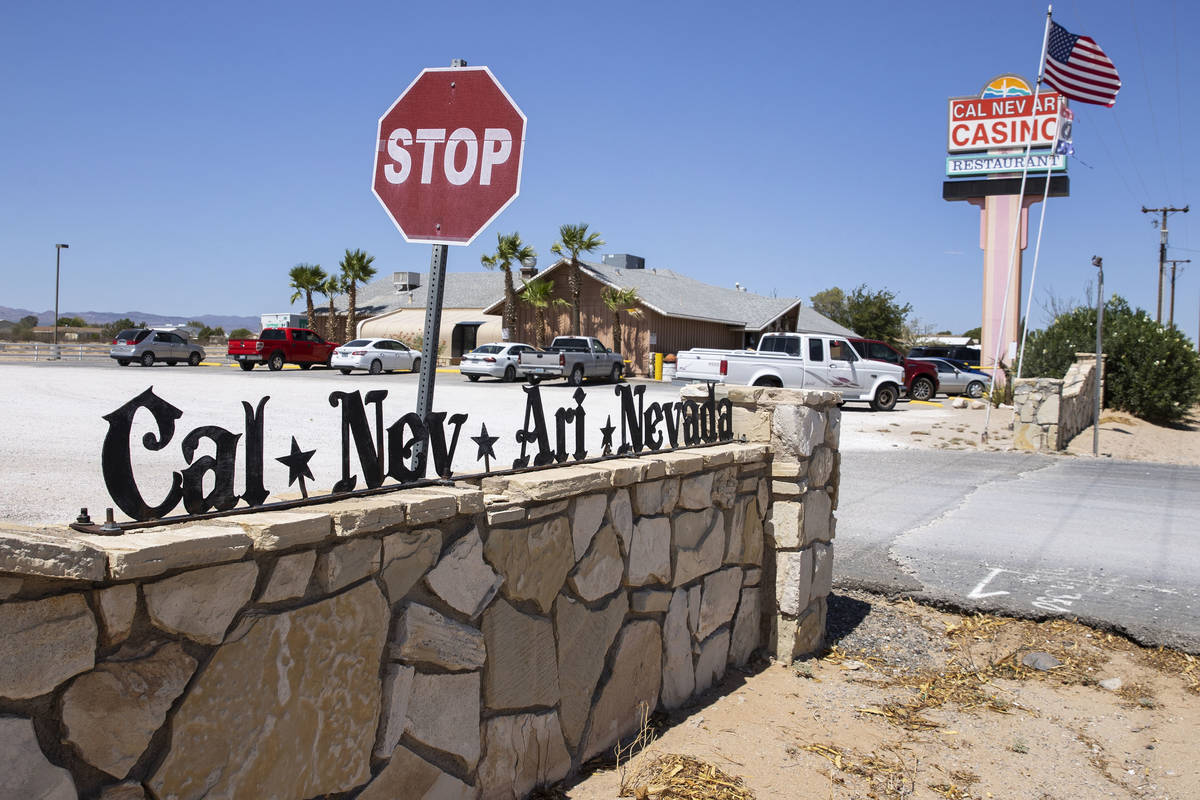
(131, 334)
(488, 348)
(357, 343)
(273, 333)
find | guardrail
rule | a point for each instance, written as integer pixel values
(42, 351)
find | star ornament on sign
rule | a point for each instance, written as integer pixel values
(297, 464)
(486, 451)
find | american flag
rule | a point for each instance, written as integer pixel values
(1079, 69)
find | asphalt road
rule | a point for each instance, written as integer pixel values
(1114, 543)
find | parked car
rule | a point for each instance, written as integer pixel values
(956, 380)
(146, 346)
(279, 346)
(920, 378)
(798, 361)
(971, 355)
(497, 360)
(573, 358)
(376, 356)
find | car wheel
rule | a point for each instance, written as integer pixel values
(510, 374)
(306, 366)
(774, 383)
(922, 389)
(344, 371)
(615, 375)
(376, 367)
(147, 359)
(416, 367)
(124, 362)
(246, 365)
(194, 360)
(885, 398)
(975, 389)
(275, 363)
(472, 378)
(576, 378)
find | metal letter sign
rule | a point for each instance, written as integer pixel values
(448, 155)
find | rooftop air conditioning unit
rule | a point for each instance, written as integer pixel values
(406, 281)
(624, 261)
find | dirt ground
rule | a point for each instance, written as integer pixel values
(913, 702)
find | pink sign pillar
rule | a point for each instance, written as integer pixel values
(998, 217)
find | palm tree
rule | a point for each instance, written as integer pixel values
(306, 279)
(540, 295)
(356, 269)
(509, 248)
(575, 239)
(331, 287)
(618, 300)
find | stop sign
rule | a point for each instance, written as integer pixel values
(448, 156)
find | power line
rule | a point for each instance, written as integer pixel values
(1149, 101)
(1162, 250)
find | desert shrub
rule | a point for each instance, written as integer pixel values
(1152, 372)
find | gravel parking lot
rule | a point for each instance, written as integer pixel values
(54, 426)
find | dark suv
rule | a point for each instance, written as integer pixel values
(920, 378)
(971, 355)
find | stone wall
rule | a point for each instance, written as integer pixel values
(1049, 412)
(458, 641)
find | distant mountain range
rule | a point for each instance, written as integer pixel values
(105, 317)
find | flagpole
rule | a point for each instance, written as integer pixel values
(1012, 261)
(1037, 248)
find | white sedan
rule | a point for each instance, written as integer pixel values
(375, 356)
(497, 360)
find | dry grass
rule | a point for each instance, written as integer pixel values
(678, 777)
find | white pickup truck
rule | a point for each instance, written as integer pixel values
(798, 361)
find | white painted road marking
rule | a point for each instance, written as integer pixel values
(978, 593)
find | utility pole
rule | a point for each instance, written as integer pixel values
(1162, 249)
(1173, 262)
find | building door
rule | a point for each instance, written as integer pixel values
(462, 338)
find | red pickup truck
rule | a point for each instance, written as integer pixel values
(278, 346)
(920, 382)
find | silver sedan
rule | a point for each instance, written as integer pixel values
(496, 360)
(954, 380)
(376, 356)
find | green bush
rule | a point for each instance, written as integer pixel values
(1152, 372)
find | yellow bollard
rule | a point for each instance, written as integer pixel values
(658, 361)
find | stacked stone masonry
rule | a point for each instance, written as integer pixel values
(466, 641)
(1049, 412)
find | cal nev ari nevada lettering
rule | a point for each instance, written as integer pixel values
(982, 123)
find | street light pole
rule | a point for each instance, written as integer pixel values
(58, 248)
(1098, 263)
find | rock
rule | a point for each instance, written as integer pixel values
(699, 544)
(959, 402)
(753, 576)
(393, 719)
(631, 690)
(584, 638)
(817, 513)
(362, 516)
(291, 702)
(724, 488)
(793, 582)
(620, 514)
(462, 578)
(822, 583)
(833, 427)
(820, 467)
(129, 790)
(650, 552)
(523, 751)
(522, 665)
(695, 491)
(408, 555)
(443, 713)
(289, 577)
(694, 593)
(679, 674)
(722, 590)
(116, 605)
(200, 604)
(411, 777)
(1111, 684)
(10, 586)
(599, 573)
(347, 563)
(563, 481)
(25, 773)
(754, 425)
(423, 636)
(153, 551)
(1043, 662)
(533, 561)
(650, 601)
(110, 714)
(978, 404)
(753, 538)
(785, 524)
(710, 664)
(647, 498)
(52, 555)
(747, 627)
(586, 516)
(45, 642)
(429, 504)
(670, 492)
(533, 512)
(796, 430)
(283, 530)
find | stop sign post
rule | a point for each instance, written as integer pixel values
(447, 161)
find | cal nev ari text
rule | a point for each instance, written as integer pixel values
(798, 361)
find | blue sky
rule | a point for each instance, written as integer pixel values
(190, 154)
